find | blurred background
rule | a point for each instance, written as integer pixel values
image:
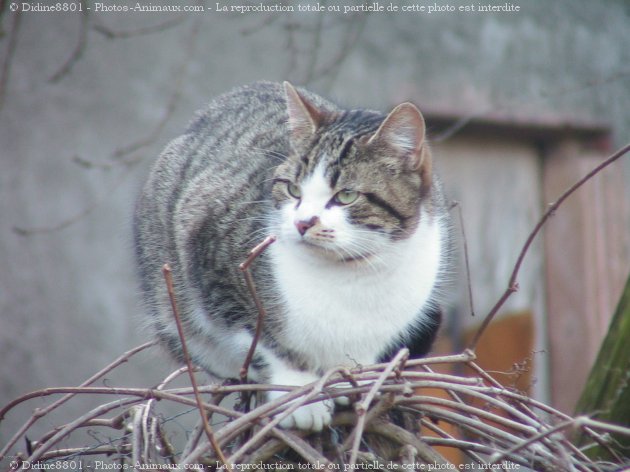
(519, 105)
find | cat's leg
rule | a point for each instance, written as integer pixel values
(222, 354)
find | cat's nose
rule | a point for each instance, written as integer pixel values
(304, 225)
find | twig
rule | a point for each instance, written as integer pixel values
(44, 411)
(287, 439)
(172, 103)
(168, 277)
(253, 254)
(85, 451)
(198, 430)
(9, 55)
(137, 436)
(608, 427)
(512, 284)
(449, 440)
(532, 439)
(524, 404)
(193, 439)
(466, 261)
(464, 357)
(80, 215)
(362, 408)
(151, 428)
(268, 21)
(158, 28)
(352, 34)
(422, 401)
(315, 49)
(79, 49)
(381, 407)
(396, 434)
(402, 436)
(455, 396)
(141, 393)
(67, 429)
(311, 390)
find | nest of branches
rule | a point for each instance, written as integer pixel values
(392, 424)
(394, 420)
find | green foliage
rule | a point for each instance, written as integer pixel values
(607, 391)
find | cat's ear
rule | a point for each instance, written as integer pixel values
(404, 131)
(304, 117)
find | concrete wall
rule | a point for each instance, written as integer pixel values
(67, 290)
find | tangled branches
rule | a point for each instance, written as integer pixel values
(393, 423)
(388, 428)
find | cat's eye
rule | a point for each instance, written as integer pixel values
(294, 190)
(346, 197)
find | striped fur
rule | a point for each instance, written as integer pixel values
(227, 182)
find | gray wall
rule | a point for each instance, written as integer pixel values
(67, 289)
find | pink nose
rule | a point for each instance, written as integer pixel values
(304, 225)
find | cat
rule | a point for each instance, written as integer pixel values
(362, 233)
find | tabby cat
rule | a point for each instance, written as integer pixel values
(362, 237)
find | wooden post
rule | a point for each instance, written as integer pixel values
(586, 264)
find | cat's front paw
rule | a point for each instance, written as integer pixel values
(312, 417)
(343, 400)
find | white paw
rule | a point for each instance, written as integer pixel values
(343, 401)
(312, 417)
(349, 400)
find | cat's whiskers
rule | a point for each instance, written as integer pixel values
(359, 256)
(253, 202)
(268, 227)
(364, 241)
(270, 179)
(258, 231)
(360, 250)
(271, 153)
(252, 218)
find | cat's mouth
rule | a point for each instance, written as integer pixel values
(334, 253)
(359, 258)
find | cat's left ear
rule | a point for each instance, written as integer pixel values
(404, 131)
(304, 117)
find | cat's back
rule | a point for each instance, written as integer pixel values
(201, 186)
(234, 130)
(239, 134)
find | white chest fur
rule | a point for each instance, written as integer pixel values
(347, 314)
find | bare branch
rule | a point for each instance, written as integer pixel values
(166, 270)
(512, 284)
(362, 408)
(44, 411)
(110, 33)
(79, 49)
(253, 254)
(67, 429)
(171, 105)
(9, 55)
(471, 302)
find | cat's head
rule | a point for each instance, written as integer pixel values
(354, 181)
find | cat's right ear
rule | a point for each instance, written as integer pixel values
(404, 130)
(304, 117)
